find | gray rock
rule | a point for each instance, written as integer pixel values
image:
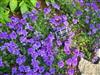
(88, 68)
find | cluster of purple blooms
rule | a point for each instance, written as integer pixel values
(40, 52)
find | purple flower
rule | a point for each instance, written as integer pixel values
(4, 35)
(23, 39)
(1, 62)
(51, 37)
(21, 68)
(33, 17)
(71, 71)
(94, 30)
(56, 6)
(95, 59)
(60, 64)
(22, 32)
(0, 24)
(27, 69)
(76, 52)
(66, 23)
(31, 51)
(64, 17)
(37, 5)
(98, 0)
(98, 26)
(69, 62)
(81, 1)
(74, 61)
(35, 12)
(29, 27)
(81, 54)
(14, 19)
(78, 13)
(2, 47)
(36, 45)
(13, 35)
(92, 26)
(94, 6)
(47, 73)
(41, 69)
(52, 71)
(12, 48)
(14, 70)
(47, 10)
(67, 50)
(20, 74)
(56, 20)
(20, 60)
(75, 21)
(59, 43)
(23, 21)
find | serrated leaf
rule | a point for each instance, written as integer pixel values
(23, 7)
(33, 2)
(21, 3)
(13, 5)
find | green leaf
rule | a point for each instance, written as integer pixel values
(23, 7)
(13, 5)
(33, 2)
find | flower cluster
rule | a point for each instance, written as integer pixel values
(35, 53)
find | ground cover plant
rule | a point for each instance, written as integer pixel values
(48, 38)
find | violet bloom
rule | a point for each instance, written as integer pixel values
(23, 39)
(14, 70)
(60, 64)
(1, 62)
(23, 21)
(56, 6)
(98, 26)
(0, 24)
(41, 69)
(20, 60)
(94, 30)
(4, 35)
(92, 26)
(78, 13)
(33, 17)
(2, 47)
(36, 45)
(47, 73)
(69, 62)
(13, 48)
(52, 71)
(13, 35)
(95, 59)
(27, 69)
(21, 68)
(29, 27)
(71, 71)
(67, 50)
(64, 17)
(81, 54)
(38, 5)
(35, 12)
(59, 43)
(11, 25)
(76, 52)
(47, 10)
(75, 21)
(74, 61)
(51, 37)
(94, 6)
(14, 19)
(56, 20)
